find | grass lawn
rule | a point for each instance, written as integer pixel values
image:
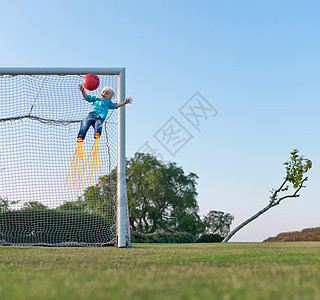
(163, 271)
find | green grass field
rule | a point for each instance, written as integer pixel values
(163, 271)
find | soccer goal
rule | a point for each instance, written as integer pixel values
(42, 200)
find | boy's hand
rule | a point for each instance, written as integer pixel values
(128, 100)
(84, 94)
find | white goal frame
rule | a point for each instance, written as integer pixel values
(121, 143)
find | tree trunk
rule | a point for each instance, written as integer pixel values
(234, 231)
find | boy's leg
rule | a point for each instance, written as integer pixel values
(84, 127)
(98, 127)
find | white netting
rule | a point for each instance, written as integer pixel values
(40, 116)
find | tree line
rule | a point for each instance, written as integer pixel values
(161, 198)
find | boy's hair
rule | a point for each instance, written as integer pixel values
(110, 89)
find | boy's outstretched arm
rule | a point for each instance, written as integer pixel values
(128, 100)
(84, 94)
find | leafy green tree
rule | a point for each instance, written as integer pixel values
(160, 196)
(100, 199)
(73, 206)
(34, 205)
(296, 167)
(191, 223)
(218, 222)
(138, 176)
(5, 204)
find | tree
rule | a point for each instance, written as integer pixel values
(34, 205)
(5, 204)
(296, 167)
(161, 196)
(218, 222)
(73, 206)
(100, 199)
(138, 172)
(191, 223)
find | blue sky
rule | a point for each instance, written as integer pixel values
(256, 63)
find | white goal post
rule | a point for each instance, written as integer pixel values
(122, 238)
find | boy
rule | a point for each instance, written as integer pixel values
(98, 112)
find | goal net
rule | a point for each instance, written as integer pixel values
(50, 193)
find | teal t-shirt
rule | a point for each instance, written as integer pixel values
(100, 106)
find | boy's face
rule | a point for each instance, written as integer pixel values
(105, 94)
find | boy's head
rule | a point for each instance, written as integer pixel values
(107, 93)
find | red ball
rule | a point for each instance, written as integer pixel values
(91, 82)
